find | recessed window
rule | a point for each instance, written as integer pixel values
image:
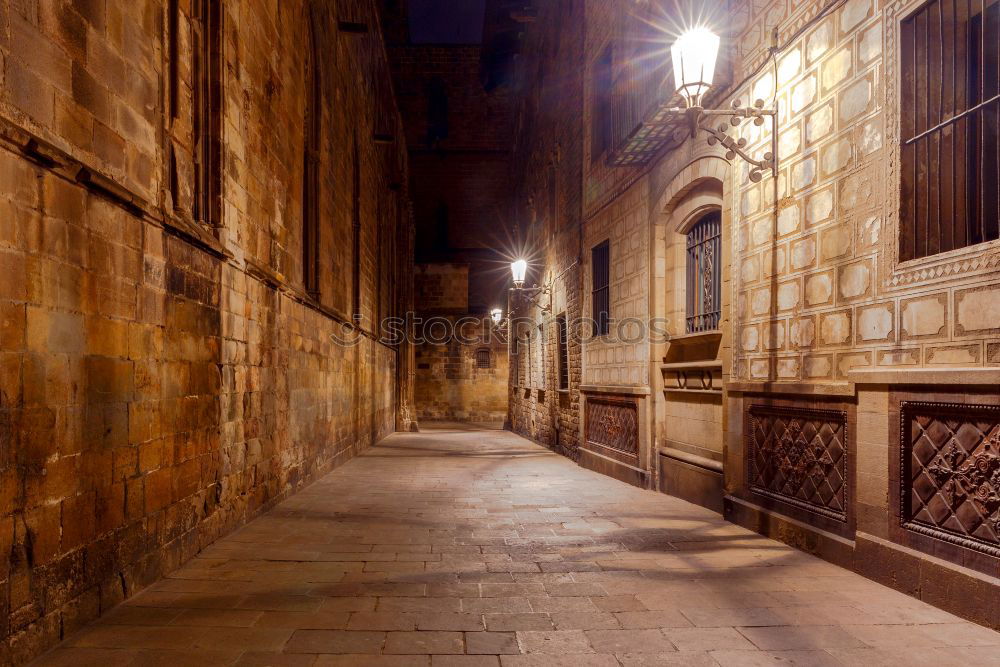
(950, 115)
(563, 352)
(600, 263)
(603, 82)
(704, 258)
(207, 102)
(310, 166)
(484, 359)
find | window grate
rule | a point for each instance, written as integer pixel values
(483, 359)
(950, 116)
(600, 262)
(704, 293)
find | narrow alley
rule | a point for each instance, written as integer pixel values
(507, 333)
(477, 547)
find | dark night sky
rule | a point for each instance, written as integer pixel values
(446, 21)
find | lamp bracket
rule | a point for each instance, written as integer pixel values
(718, 135)
(534, 295)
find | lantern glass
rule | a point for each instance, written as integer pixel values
(519, 269)
(694, 55)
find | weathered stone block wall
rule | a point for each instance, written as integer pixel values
(162, 380)
(548, 195)
(442, 287)
(449, 385)
(477, 119)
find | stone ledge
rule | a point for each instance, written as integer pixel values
(798, 388)
(612, 389)
(691, 459)
(937, 376)
(619, 470)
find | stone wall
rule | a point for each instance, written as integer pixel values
(449, 384)
(823, 306)
(547, 205)
(459, 138)
(163, 379)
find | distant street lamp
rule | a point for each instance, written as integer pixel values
(497, 316)
(694, 55)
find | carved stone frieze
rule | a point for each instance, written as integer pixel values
(612, 427)
(799, 456)
(950, 473)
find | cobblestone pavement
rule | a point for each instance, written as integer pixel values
(467, 548)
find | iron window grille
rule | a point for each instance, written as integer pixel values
(600, 262)
(950, 115)
(563, 352)
(704, 293)
(483, 359)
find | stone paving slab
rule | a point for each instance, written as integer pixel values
(454, 548)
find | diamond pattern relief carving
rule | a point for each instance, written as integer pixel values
(799, 456)
(613, 425)
(950, 482)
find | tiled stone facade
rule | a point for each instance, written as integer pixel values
(164, 380)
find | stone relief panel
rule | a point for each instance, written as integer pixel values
(950, 473)
(612, 428)
(799, 456)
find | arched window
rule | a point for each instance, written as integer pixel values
(483, 358)
(704, 293)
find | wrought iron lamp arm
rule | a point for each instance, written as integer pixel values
(733, 147)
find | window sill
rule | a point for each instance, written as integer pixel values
(714, 336)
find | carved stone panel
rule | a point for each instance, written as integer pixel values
(799, 456)
(950, 473)
(612, 428)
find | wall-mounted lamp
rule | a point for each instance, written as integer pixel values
(497, 316)
(694, 55)
(519, 269)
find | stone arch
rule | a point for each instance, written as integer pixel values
(694, 191)
(706, 169)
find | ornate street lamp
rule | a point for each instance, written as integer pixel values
(694, 55)
(519, 268)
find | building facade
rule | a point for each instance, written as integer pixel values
(818, 354)
(458, 123)
(196, 250)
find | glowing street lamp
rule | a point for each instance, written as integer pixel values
(497, 316)
(694, 55)
(519, 269)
